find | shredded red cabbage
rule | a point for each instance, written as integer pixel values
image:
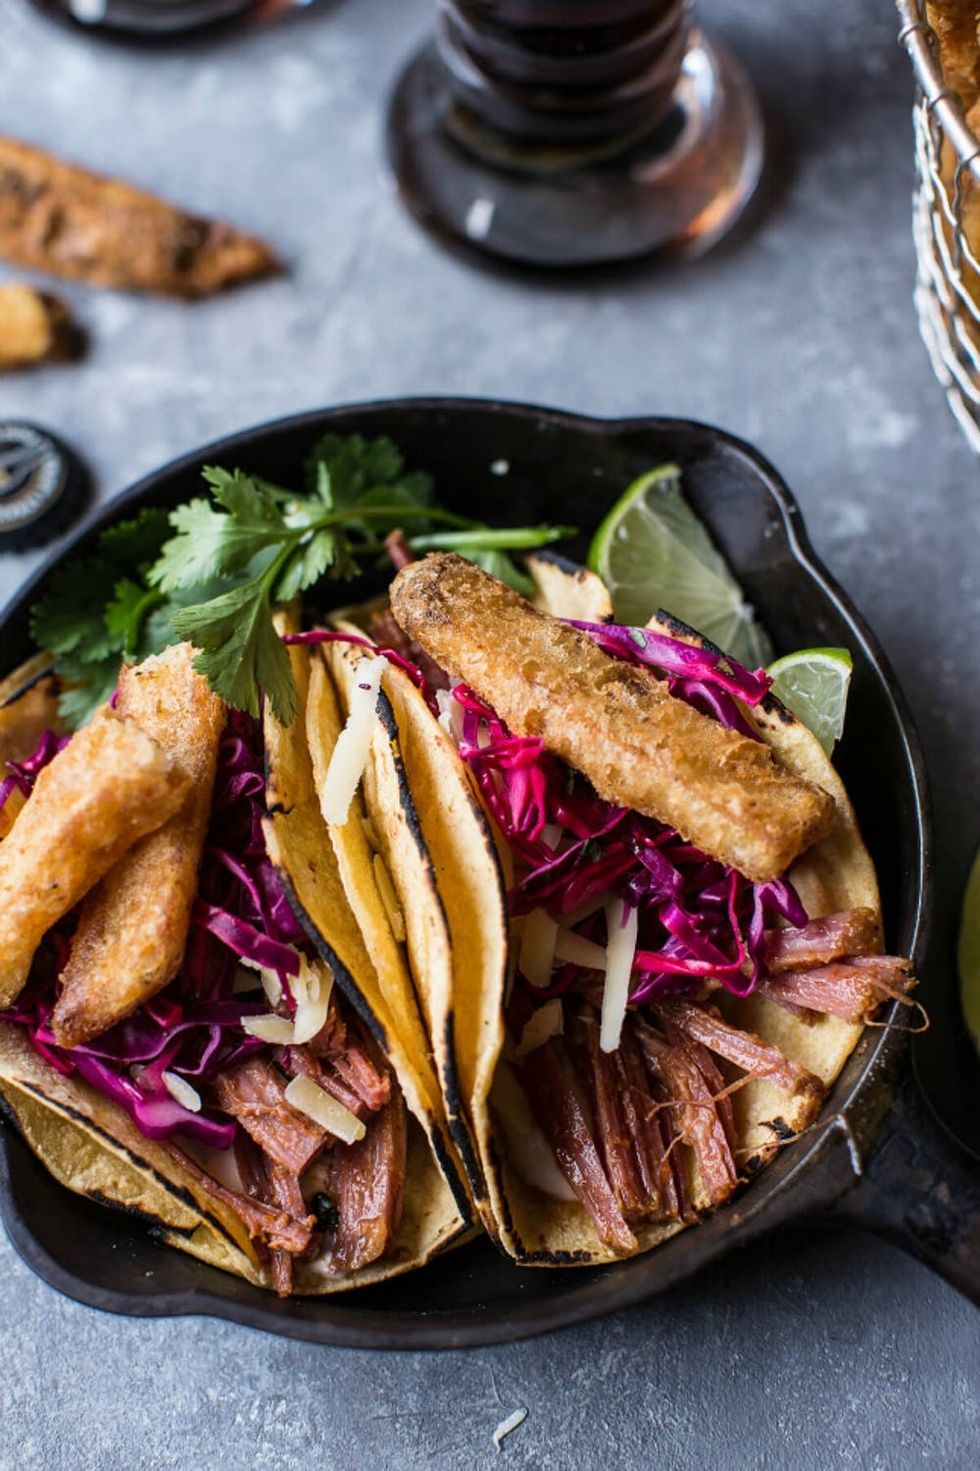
(193, 1028)
(698, 918)
(23, 774)
(332, 636)
(672, 656)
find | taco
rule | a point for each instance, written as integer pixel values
(194, 1027)
(686, 945)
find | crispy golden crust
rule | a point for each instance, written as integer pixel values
(34, 328)
(133, 926)
(111, 785)
(955, 25)
(60, 218)
(617, 724)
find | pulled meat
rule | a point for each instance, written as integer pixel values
(851, 932)
(547, 1079)
(278, 1142)
(658, 1171)
(273, 1228)
(300, 1060)
(255, 1094)
(852, 989)
(285, 1191)
(750, 1053)
(711, 1074)
(602, 1075)
(367, 1184)
(694, 1111)
(349, 1060)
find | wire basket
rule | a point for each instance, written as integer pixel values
(947, 288)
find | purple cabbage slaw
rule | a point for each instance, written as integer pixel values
(23, 774)
(710, 681)
(193, 1028)
(698, 918)
(334, 636)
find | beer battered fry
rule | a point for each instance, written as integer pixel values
(132, 930)
(616, 723)
(110, 786)
(955, 25)
(60, 218)
(34, 328)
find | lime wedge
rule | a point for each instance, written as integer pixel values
(813, 683)
(652, 552)
(968, 954)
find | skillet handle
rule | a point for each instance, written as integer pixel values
(920, 1188)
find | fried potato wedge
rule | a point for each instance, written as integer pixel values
(34, 328)
(132, 930)
(110, 786)
(60, 218)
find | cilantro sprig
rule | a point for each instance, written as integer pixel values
(238, 553)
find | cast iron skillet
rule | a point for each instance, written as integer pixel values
(876, 1157)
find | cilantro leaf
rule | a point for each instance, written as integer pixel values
(71, 617)
(343, 466)
(209, 543)
(86, 684)
(307, 565)
(132, 544)
(70, 614)
(348, 472)
(247, 499)
(241, 650)
(124, 616)
(233, 555)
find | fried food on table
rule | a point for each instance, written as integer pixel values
(638, 745)
(955, 23)
(110, 786)
(62, 219)
(34, 328)
(132, 930)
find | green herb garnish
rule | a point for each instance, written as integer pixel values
(235, 556)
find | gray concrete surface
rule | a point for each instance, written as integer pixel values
(822, 1349)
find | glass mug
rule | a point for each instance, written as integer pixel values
(574, 132)
(158, 19)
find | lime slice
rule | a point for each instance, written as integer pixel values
(968, 954)
(813, 683)
(652, 552)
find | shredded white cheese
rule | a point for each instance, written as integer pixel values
(271, 984)
(181, 1091)
(311, 988)
(580, 952)
(538, 947)
(389, 898)
(275, 1029)
(324, 1110)
(547, 1021)
(506, 1426)
(350, 754)
(621, 948)
(450, 715)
